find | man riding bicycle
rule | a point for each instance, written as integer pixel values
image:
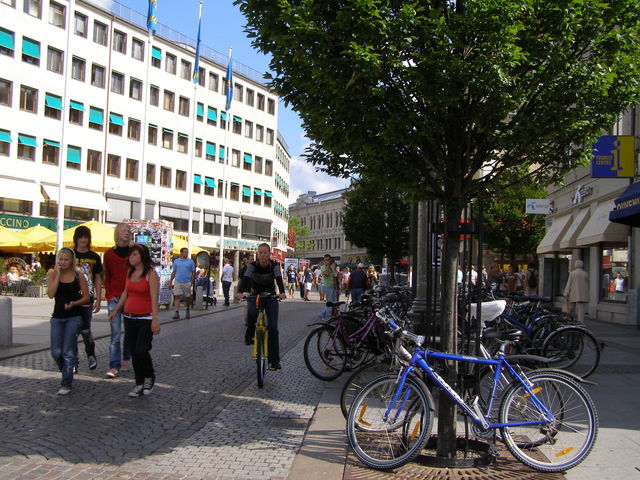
(261, 277)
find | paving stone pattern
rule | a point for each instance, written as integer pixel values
(205, 419)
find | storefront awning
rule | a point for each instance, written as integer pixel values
(78, 198)
(18, 189)
(626, 208)
(578, 222)
(600, 229)
(551, 241)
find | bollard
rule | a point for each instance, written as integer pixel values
(6, 322)
(198, 303)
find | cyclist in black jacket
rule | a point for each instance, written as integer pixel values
(262, 276)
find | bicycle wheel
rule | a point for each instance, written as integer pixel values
(325, 353)
(573, 349)
(560, 444)
(357, 381)
(261, 359)
(384, 441)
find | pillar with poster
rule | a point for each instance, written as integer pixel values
(157, 235)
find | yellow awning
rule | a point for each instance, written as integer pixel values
(179, 243)
(34, 236)
(11, 241)
(101, 237)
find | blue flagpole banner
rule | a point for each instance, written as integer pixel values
(229, 85)
(613, 157)
(152, 19)
(196, 64)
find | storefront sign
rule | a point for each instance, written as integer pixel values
(19, 222)
(613, 157)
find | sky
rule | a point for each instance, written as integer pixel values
(223, 26)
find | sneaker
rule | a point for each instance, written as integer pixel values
(149, 383)
(93, 362)
(64, 391)
(75, 369)
(125, 366)
(275, 366)
(188, 314)
(113, 373)
(176, 316)
(136, 392)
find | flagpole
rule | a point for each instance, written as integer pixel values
(151, 28)
(227, 153)
(65, 120)
(196, 79)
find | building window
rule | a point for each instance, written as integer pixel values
(131, 172)
(271, 106)
(202, 76)
(238, 91)
(152, 135)
(117, 83)
(133, 130)
(6, 91)
(269, 136)
(33, 8)
(212, 116)
(56, 14)
(234, 192)
(50, 152)
(100, 33)
(30, 51)
(27, 147)
(113, 165)
(7, 42)
(181, 180)
(170, 63)
(237, 125)
(135, 89)
(211, 151)
(246, 194)
(80, 25)
(96, 118)
(165, 177)
(94, 161)
(97, 76)
(156, 57)
(260, 102)
(200, 112)
(259, 133)
(183, 106)
(257, 164)
(267, 198)
(213, 81)
(76, 113)
(248, 161)
(154, 96)
(268, 168)
(169, 100)
(78, 66)
(257, 196)
(115, 124)
(28, 99)
(197, 182)
(614, 274)
(221, 188)
(137, 49)
(235, 157)
(151, 174)
(209, 186)
(52, 106)
(248, 129)
(119, 41)
(167, 138)
(74, 155)
(198, 148)
(249, 98)
(54, 60)
(185, 69)
(183, 143)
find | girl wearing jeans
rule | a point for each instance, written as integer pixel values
(140, 314)
(70, 291)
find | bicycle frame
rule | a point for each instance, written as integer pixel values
(262, 323)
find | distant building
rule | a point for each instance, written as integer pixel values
(322, 215)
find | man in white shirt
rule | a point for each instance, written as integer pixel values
(226, 278)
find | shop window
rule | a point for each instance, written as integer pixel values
(614, 274)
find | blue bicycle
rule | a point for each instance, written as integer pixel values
(546, 419)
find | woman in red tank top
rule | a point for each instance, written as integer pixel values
(139, 303)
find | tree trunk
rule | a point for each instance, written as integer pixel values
(446, 446)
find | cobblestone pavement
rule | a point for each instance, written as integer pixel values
(205, 419)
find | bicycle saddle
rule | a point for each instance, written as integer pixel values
(490, 310)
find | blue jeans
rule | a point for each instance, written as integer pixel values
(271, 309)
(64, 345)
(330, 296)
(356, 294)
(115, 355)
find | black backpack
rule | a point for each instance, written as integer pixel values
(533, 280)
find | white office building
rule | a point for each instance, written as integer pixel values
(78, 102)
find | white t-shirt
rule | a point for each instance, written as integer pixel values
(619, 284)
(227, 273)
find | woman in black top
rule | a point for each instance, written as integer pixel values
(261, 277)
(70, 291)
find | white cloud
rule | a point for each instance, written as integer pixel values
(304, 178)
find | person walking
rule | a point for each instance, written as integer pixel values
(90, 264)
(327, 275)
(373, 277)
(308, 283)
(343, 283)
(139, 304)
(226, 278)
(576, 292)
(183, 272)
(301, 282)
(71, 292)
(357, 283)
(115, 277)
(531, 280)
(292, 280)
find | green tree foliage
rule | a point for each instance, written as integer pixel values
(300, 231)
(376, 217)
(507, 228)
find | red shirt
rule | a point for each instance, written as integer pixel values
(138, 297)
(115, 274)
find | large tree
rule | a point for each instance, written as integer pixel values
(376, 217)
(443, 96)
